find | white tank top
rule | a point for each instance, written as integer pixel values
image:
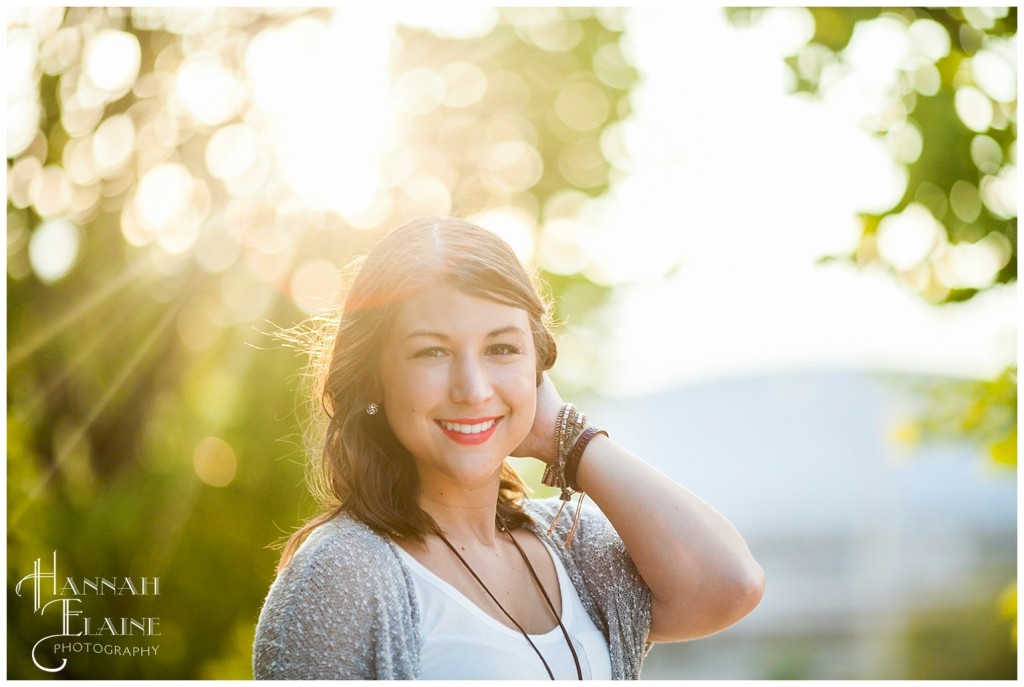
(462, 642)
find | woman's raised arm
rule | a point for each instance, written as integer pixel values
(702, 576)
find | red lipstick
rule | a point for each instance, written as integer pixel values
(469, 439)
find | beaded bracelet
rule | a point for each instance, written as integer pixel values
(569, 426)
(555, 471)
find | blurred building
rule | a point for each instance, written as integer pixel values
(883, 560)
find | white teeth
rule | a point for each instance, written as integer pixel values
(468, 429)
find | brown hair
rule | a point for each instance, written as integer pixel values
(363, 469)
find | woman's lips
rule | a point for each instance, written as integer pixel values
(469, 431)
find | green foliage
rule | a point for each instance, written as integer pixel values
(955, 167)
(981, 411)
(557, 82)
(960, 645)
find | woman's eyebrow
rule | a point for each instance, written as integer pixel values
(419, 332)
(511, 329)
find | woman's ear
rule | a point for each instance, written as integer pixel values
(547, 352)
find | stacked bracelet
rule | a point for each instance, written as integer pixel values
(572, 434)
(569, 426)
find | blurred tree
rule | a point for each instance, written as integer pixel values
(177, 177)
(944, 97)
(944, 93)
(525, 146)
(982, 411)
(941, 83)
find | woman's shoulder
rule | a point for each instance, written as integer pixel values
(341, 562)
(322, 613)
(342, 544)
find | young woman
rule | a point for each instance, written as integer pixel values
(428, 561)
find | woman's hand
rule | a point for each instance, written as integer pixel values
(540, 442)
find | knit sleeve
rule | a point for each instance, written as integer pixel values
(608, 582)
(341, 609)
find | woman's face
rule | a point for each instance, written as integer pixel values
(458, 375)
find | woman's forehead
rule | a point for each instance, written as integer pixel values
(443, 309)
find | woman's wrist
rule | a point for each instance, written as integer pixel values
(572, 463)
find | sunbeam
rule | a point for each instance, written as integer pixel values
(122, 376)
(33, 343)
(33, 403)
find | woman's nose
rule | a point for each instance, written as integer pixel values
(471, 383)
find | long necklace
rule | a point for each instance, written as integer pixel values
(533, 573)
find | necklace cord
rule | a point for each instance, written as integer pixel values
(533, 573)
(536, 578)
(507, 614)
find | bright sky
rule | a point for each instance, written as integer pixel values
(746, 187)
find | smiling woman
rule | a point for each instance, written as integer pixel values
(429, 561)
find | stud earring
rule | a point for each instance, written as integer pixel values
(372, 409)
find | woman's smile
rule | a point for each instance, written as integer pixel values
(471, 431)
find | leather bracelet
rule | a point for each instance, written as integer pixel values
(572, 464)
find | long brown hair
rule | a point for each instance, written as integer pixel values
(363, 469)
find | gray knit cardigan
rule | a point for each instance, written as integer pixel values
(345, 606)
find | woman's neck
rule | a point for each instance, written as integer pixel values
(463, 513)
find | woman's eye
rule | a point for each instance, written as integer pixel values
(504, 349)
(430, 353)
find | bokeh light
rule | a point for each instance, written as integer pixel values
(973, 265)
(111, 61)
(974, 108)
(906, 239)
(208, 91)
(53, 249)
(515, 225)
(314, 285)
(214, 462)
(994, 70)
(51, 191)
